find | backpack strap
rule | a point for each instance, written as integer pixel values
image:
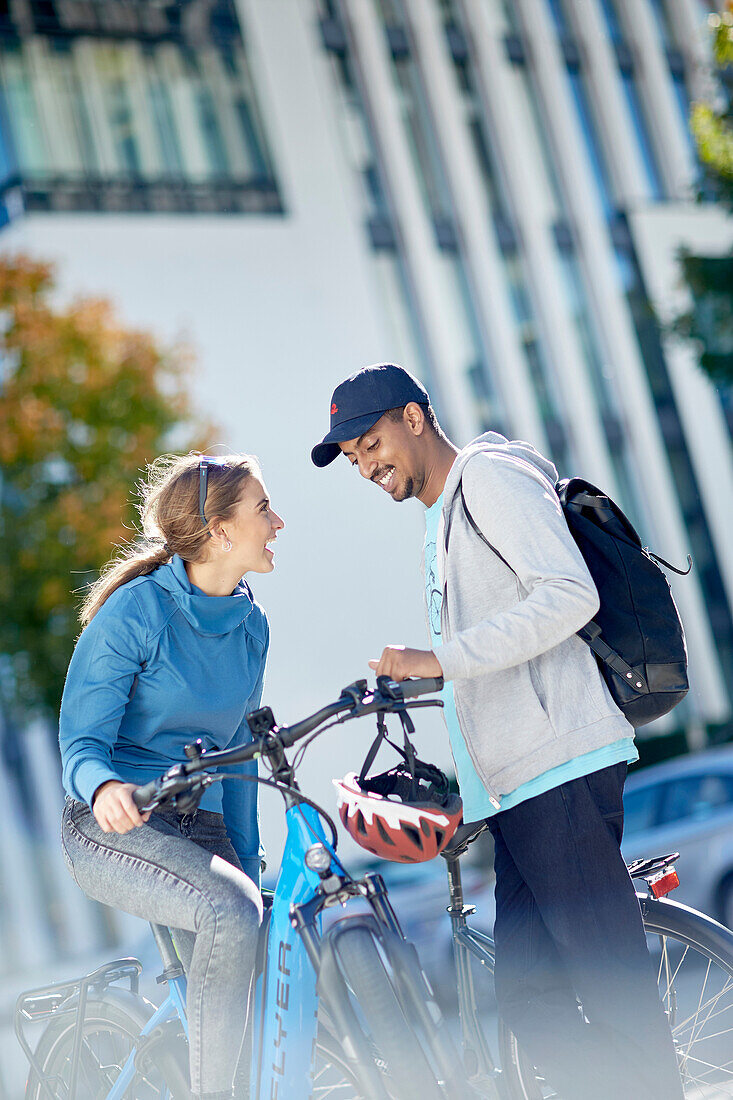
(668, 565)
(591, 632)
(591, 635)
(479, 532)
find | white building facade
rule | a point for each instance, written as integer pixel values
(491, 193)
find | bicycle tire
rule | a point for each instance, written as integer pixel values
(398, 1051)
(112, 1026)
(688, 942)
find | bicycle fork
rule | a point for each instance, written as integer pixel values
(323, 953)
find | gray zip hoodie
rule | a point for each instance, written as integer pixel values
(529, 695)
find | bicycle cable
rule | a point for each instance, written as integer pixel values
(412, 704)
(284, 788)
(299, 753)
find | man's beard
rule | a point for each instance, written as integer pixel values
(408, 491)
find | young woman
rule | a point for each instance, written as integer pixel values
(173, 649)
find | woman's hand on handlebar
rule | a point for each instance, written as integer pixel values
(114, 808)
(398, 662)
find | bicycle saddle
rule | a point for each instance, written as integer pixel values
(644, 868)
(464, 835)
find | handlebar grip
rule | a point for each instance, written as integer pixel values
(426, 686)
(142, 795)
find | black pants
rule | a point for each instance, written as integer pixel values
(568, 928)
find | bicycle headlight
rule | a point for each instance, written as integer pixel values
(318, 858)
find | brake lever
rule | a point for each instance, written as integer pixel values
(188, 800)
(356, 691)
(390, 689)
(182, 791)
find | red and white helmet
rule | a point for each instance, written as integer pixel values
(399, 817)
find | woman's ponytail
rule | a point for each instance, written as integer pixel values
(120, 570)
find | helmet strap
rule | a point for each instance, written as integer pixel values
(376, 744)
(407, 752)
(408, 727)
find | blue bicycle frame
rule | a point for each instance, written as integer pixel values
(285, 1001)
(291, 955)
(286, 1004)
(173, 1005)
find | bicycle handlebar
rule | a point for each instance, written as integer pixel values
(142, 795)
(428, 685)
(387, 696)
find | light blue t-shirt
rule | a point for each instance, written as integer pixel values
(476, 802)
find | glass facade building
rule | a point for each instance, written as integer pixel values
(503, 154)
(597, 92)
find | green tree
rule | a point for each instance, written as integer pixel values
(710, 278)
(84, 404)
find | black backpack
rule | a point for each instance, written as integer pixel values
(636, 635)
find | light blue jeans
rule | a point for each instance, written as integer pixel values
(182, 871)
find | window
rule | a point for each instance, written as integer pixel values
(421, 139)
(631, 93)
(593, 144)
(92, 121)
(362, 153)
(612, 20)
(664, 24)
(696, 797)
(653, 174)
(559, 18)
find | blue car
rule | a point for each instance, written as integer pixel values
(685, 805)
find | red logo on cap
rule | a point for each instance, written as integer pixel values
(334, 409)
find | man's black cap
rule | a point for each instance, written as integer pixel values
(359, 402)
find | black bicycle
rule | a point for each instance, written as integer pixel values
(694, 959)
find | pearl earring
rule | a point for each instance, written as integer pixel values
(227, 546)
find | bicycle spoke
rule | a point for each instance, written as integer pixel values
(713, 1067)
(322, 1090)
(696, 990)
(703, 1076)
(717, 1034)
(331, 1079)
(712, 1015)
(665, 958)
(705, 1080)
(694, 1033)
(94, 1071)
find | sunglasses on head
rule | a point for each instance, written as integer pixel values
(204, 462)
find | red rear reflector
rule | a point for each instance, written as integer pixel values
(664, 882)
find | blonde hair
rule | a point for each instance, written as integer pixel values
(171, 522)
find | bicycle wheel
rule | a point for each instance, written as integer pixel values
(333, 1076)
(694, 960)
(111, 1029)
(398, 1052)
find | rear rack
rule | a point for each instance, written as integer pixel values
(39, 1004)
(61, 998)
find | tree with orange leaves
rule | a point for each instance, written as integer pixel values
(84, 405)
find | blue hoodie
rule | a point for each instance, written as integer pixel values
(159, 665)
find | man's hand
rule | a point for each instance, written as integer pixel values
(114, 809)
(398, 662)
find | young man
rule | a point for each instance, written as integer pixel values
(540, 748)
